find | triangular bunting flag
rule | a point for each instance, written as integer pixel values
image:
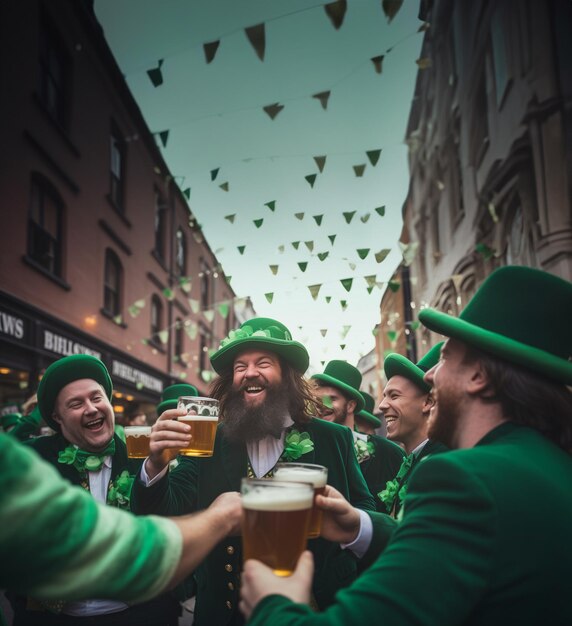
(336, 12)
(155, 75)
(195, 305)
(223, 309)
(209, 315)
(373, 156)
(230, 218)
(328, 299)
(320, 162)
(377, 63)
(392, 335)
(390, 8)
(185, 284)
(380, 256)
(214, 173)
(187, 193)
(274, 269)
(164, 336)
(364, 218)
(272, 110)
(207, 376)
(332, 238)
(369, 289)
(370, 280)
(375, 331)
(258, 223)
(224, 186)
(415, 325)
(281, 248)
(309, 245)
(342, 346)
(118, 319)
(210, 49)
(362, 252)
(303, 265)
(269, 297)
(394, 285)
(133, 310)
(408, 250)
(198, 237)
(349, 216)
(299, 216)
(323, 331)
(380, 210)
(314, 290)
(345, 331)
(169, 293)
(295, 245)
(318, 219)
(323, 97)
(311, 178)
(241, 249)
(191, 330)
(347, 283)
(359, 170)
(257, 38)
(164, 137)
(352, 265)
(323, 255)
(271, 205)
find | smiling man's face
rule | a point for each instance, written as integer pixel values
(85, 415)
(253, 372)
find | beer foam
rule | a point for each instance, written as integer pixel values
(302, 475)
(277, 499)
(137, 431)
(198, 418)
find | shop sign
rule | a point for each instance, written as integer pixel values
(64, 346)
(12, 326)
(136, 376)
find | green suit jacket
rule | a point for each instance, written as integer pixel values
(382, 467)
(195, 483)
(470, 549)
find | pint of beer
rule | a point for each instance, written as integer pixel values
(202, 417)
(316, 475)
(137, 439)
(275, 522)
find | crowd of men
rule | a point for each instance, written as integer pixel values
(459, 516)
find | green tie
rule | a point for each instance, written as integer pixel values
(85, 461)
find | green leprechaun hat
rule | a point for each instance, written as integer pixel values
(344, 376)
(398, 365)
(260, 333)
(367, 412)
(65, 371)
(519, 314)
(171, 394)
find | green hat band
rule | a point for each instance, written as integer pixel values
(262, 333)
(519, 314)
(344, 376)
(64, 371)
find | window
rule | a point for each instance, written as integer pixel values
(179, 338)
(205, 344)
(117, 170)
(113, 277)
(205, 274)
(160, 226)
(156, 318)
(54, 73)
(181, 253)
(45, 226)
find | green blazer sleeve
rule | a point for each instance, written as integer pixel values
(78, 547)
(444, 544)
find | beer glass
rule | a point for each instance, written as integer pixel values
(275, 521)
(316, 475)
(137, 439)
(202, 417)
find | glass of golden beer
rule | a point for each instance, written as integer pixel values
(275, 521)
(202, 417)
(137, 439)
(316, 475)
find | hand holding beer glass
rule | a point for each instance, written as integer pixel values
(316, 475)
(137, 439)
(202, 417)
(275, 521)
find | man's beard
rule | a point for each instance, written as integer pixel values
(245, 423)
(444, 419)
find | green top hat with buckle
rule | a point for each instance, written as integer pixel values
(519, 314)
(64, 371)
(9, 419)
(367, 412)
(344, 376)
(398, 365)
(171, 394)
(260, 333)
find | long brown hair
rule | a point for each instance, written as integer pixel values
(302, 404)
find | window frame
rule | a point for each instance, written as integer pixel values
(115, 292)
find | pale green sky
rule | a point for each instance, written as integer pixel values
(215, 116)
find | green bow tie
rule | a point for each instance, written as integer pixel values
(405, 465)
(83, 460)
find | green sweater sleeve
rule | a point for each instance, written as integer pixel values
(78, 547)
